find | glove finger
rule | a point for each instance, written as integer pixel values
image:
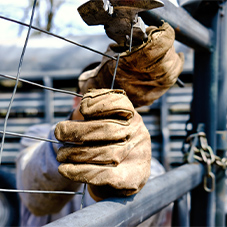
(150, 86)
(99, 131)
(166, 69)
(117, 177)
(129, 174)
(160, 40)
(111, 154)
(106, 103)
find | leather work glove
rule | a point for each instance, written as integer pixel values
(145, 73)
(111, 148)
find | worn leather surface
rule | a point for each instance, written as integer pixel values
(111, 148)
(145, 73)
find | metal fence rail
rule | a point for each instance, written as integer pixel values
(188, 30)
(156, 194)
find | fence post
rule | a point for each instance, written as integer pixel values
(204, 109)
(165, 133)
(49, 105)
(222, 105)
(180, 215)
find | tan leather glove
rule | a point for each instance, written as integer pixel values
(145, 74)
(112, 150)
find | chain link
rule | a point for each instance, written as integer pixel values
(202, 152)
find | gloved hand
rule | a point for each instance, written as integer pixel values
(112, 150)
(145, 74)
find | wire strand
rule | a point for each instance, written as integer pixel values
(131, 36)
(58, 36)
(42, 86)
(115, 72)
(40, 192)
(30, 137)
(83, 197)
(17, 80)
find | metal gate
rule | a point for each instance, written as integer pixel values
(204, 28)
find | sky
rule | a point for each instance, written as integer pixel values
(67, 20)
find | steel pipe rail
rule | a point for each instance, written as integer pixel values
(156, 194)
(188, 30)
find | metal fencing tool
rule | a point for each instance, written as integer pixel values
(120, 19)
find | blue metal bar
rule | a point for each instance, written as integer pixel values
(222, 105)
(165, 133)
(49, 101)
(180, 215)
(130, 211)
(204, 110)
(188, 30)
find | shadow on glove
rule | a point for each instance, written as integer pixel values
(112, 150)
